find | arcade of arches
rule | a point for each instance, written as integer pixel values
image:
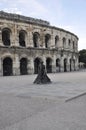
(25, 66)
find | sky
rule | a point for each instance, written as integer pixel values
(67, 14)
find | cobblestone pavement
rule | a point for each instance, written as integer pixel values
(55, 106)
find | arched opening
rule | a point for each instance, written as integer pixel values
(76, 46)
(56, 41)
(70, 64)
(65, 65)
(36, 65)
(74, 64)
(49, 65)
(47, 40)
(7, 67)
(64, 42)
(69, 43)
(23, 66)
(73, 45)
(58, 65)
(22, 38)
(36, 39)
(6, 37)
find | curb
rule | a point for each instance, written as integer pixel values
(70, 99)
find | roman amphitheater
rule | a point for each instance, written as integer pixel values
(24, 41)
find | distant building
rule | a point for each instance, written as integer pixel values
(24, 41)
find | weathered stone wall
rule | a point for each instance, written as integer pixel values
(55, 50)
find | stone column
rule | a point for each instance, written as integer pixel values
(28, 39)
(72, 65)
(30, 66)
(62, 64)
(54, 64)
(67, 44)
(52, 44)
(16, 65)
(43, 44)
(68, 64)
(16, 36)
(30, 43)
(60, 45)
(12, 36)
(1, 43)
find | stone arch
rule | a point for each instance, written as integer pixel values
(23, 66)
(5, 55)
(49, 65)
(7, 66)
(36, 64)
(23, 56)
(69, 43)
(64, 42)
(22, 38)
(56, 40)
(58, 65)
(6, 32)
(65, 65)
(36, 37)
(47, 40)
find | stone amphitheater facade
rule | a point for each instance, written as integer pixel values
(25, 41)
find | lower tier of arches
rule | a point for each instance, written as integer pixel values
(10, 65)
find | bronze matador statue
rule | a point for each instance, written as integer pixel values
(42, 77)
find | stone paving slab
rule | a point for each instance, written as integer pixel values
(24, 105)
(67, 116)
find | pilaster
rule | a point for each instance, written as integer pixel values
(16, 65)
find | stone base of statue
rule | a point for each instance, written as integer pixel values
(42, 77)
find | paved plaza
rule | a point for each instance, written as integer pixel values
(60, 105)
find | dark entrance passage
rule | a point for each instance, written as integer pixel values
(36, 65)
(65, 65)
(49, 65)
(58, 65)
(23, 66)
(7, 67)
(74, 64)
(70, 64)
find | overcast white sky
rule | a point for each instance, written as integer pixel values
(66, 14)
